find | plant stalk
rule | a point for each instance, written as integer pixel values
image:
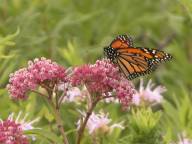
(82, 127)
(58, 121)
(57, 116)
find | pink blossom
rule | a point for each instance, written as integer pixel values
(20, 82)
(103, 78)
(136, 99)
(100, 122)
(11, 131)
(125, 92)
(44, 69)
(72, 94)
(97, 77)
(37, 72)
(148, 94)
(75, 94)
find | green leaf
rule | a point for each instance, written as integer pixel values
(187, 4)
(45, 134)
(70, 54)
(143, 125)
(7, 41)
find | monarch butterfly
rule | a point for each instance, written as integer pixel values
(134, 61)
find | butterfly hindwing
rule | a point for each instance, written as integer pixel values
(134, 65)
(134, 62)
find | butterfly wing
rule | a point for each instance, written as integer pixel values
(134, 62)
(122, 41)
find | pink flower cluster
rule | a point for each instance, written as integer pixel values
(19, 83)
(45, 69)
(98, 77)
(103, 78)
(11, 133)
(125, 92)
(37, 72)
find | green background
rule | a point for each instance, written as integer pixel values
(74, 32)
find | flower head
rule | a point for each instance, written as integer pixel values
(97, 77)
(20, 82)
(103, 78)
(100, 123)
(44, 69)
(11, 131)
(29, 78)
(148, 94)
(125, 92)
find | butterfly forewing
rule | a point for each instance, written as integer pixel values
(122, 41)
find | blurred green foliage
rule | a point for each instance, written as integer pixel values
(74, 32)
(143, 128)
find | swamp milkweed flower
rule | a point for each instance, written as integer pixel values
(44, 69)
(19, 83)
(149, 94)
(38, 71)
(100, 123)
(12, 130)
(103, 78)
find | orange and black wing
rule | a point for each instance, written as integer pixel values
(121, 41)
(134, 62)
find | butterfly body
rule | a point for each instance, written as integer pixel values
(134, 61)
(111, 53)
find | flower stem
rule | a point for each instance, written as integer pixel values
(57, 116)
(59, 121)
(60, 124)
(82, 127)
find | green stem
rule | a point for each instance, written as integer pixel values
(57, 116)
(82, 127)
(59, 121)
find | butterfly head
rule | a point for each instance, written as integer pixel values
(110, 53)
(105, 51)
